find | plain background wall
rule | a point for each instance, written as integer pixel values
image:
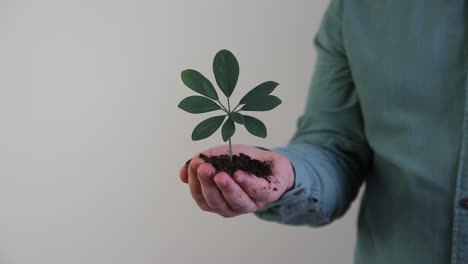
(91, 140)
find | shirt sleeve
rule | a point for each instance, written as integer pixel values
(328, 152)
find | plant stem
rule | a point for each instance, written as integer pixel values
(222, 107)
(230, 146)
(235, 108)
(230, 150)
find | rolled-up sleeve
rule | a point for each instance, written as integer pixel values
(329, 152)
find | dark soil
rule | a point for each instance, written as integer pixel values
(241, 162)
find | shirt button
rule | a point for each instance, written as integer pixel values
(464, 203)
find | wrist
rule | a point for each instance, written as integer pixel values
(290, 172)
(291, 176)
(286, 171)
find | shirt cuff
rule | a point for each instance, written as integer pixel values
(303, 196)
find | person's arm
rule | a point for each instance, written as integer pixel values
(329, 151)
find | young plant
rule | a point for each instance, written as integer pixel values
(226, 71)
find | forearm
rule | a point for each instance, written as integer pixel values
(323, 189)
(329, 150)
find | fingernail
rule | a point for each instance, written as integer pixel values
(204, 174)
(221, 183)
(201, 175)
(238, 178)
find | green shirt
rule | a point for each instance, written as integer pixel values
(387, 107)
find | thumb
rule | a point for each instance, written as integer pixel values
(259, 189)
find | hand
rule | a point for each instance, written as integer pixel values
(242, 193)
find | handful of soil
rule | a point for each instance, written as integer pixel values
(262, 169)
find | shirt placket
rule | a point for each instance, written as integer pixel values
(460, 219)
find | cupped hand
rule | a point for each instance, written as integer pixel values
(218, 192)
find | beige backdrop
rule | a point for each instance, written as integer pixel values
(91, 140)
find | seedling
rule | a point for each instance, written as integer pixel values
(226, 72)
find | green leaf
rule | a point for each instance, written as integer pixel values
(228, 129)
(255, 126)
(260, 91)
(198, 104)
(236, 117)
(199, 83)
(265, 103)
(207, 127)
(226, 71)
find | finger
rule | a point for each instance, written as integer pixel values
(194, 184)
(193, 167)
(236, 198)
(211, 193)
(194, 163)
(259, 189)
(183, 174)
